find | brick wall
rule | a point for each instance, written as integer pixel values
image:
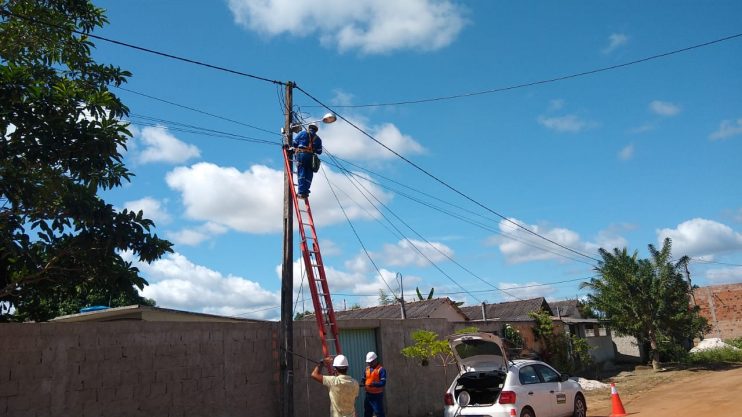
(138, 369)
(722, 307)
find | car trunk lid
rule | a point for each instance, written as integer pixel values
(478, 352)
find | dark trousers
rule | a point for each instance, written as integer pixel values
(304, 171)
(373, 404)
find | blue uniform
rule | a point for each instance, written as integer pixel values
(305, 143)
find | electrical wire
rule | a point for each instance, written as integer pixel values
(445, 184)
(545, 81)
(150, 120)
(421, 237)
(450, 213)
(197, 110)
(355, 232)
(704, 261)
(140, 48)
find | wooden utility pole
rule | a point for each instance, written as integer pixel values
(287, 275)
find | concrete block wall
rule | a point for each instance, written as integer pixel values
(138, 369)
(412, 390)
(721, 305)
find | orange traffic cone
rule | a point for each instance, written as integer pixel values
(618, 410)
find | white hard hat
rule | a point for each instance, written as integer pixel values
(340, 361)
(371, 356)
(312, 125)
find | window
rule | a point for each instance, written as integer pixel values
(527, 375)
(547, 374)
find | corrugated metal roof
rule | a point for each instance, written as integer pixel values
(511, 310)
(566, 308)
(414, 310)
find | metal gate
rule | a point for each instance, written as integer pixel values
(356, 343)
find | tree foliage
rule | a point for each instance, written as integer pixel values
(646, 298)
(61, 139)
(567, 353)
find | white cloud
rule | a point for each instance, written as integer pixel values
(646, 127)
(615, 41)
(727, 129)
(725, 275)
(519, 246)
(699, 237)
(626, 153)
(178, 283)
(195, 235)
(347, 142)
(252, 201)
(370, 26)
(153, 209)
(569, 123)
(404, 253)
(556, 104)
(664, 108)
(161, 146)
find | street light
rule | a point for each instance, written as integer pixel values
(327, 119)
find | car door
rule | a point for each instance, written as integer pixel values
(557, 397)
(535, 391)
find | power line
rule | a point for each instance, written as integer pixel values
(198, 111)
(403, 236)
(427, 242)
(445, 184)
(546, 81)
(704, 261)
(140, 119)
(360, 241)
(448, 212)
(141, 48)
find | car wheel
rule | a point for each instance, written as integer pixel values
(580, 407)
(527, 412)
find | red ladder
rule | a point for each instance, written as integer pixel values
(323, 311)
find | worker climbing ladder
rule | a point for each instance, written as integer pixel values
(316, 278)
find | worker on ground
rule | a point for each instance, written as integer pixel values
(306, 144)
(374, 381)
(343, 388)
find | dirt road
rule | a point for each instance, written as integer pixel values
(676, 394)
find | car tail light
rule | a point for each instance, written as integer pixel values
(507, 397)
(448, 399)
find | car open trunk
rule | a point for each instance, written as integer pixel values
(483, 365)
(482, 386)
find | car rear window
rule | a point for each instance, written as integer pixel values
(476, 348)
(527, 375)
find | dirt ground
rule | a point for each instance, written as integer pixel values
(672, 393)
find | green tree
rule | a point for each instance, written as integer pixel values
(567, 353)
(646, 298)
(384, 298)
(61, 139)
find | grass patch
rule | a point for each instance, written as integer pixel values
(715, 356)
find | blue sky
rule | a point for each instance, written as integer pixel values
(617, 158)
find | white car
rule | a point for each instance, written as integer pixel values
(488, 384)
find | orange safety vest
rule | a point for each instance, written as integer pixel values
(373, 375)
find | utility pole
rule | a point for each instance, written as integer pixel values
(401, 298)
(287, 275)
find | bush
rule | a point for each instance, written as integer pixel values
(715, 356)
(736, 342)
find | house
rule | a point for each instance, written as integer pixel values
(442, 308)
(591, 329)
(144, 313)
